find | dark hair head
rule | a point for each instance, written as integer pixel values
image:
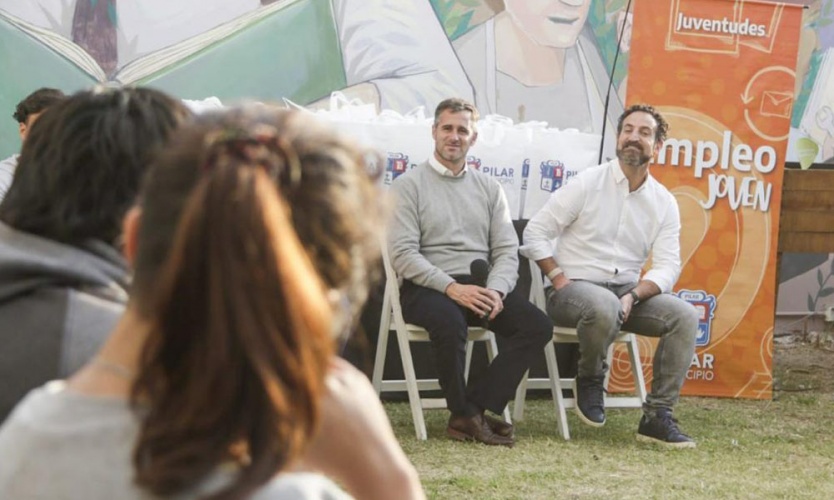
(662, 124)
(37, 102)
(82, 163)
(455, 105)
(237, 214)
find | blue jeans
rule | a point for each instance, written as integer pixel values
(595, 311)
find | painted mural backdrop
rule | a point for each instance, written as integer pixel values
(392, 53)
(528, 60)
(812, 115)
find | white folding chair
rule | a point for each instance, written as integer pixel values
(392, 318)
(568, 335)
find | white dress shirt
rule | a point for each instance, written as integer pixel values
(442, 170)
(604, 233)
(7, 168)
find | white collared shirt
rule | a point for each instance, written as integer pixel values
(442, 170)
(7, 168)
(603, 233)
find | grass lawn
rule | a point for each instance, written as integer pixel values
(746, 449)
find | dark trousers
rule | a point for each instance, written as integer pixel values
(524, 328)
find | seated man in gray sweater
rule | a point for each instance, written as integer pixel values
(454, 244)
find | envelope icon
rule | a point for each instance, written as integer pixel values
(778, 104)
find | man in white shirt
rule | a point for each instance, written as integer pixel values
(606, 223)
(27, 111)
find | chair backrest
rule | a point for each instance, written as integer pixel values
(537, 284)
(391, 307)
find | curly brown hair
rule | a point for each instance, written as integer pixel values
(37, 102)
(662, 124)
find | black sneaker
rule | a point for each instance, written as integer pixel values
(589, 395)
(663, 430)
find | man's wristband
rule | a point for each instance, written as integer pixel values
(556, 271)
(634, 296)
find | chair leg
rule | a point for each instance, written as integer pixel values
(609, 358)
(556, 390)
(411, 386)
(520, 398)
(379, 359)
(470, 346)
(492, 351)
(637, 368)
(382, 342)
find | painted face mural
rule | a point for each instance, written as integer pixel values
(554, 23)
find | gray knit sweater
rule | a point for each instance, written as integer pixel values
(441, 224)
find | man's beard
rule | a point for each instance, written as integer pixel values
(632, 157)
(451, 157)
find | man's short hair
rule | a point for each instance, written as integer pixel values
(81, 166)
(455, 105)
(662, 124)
(37, 102)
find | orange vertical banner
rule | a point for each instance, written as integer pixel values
(722, 74)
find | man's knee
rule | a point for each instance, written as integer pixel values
(605, 318)
(687, 319)
(528, 319)
(586, 303)
(541, 326)
(536, 327)
(603, 315)
(679, 318)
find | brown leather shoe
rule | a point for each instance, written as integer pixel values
(499, 426)
(475, 428)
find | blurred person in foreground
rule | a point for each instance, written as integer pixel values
(220, 381)
(63, 280)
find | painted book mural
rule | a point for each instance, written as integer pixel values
(527, 60)
(389, 52)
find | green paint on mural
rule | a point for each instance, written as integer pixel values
(43, 68)
(602, 17)
(112, 15)
(455, 15)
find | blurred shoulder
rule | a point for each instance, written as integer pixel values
(301, 485)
